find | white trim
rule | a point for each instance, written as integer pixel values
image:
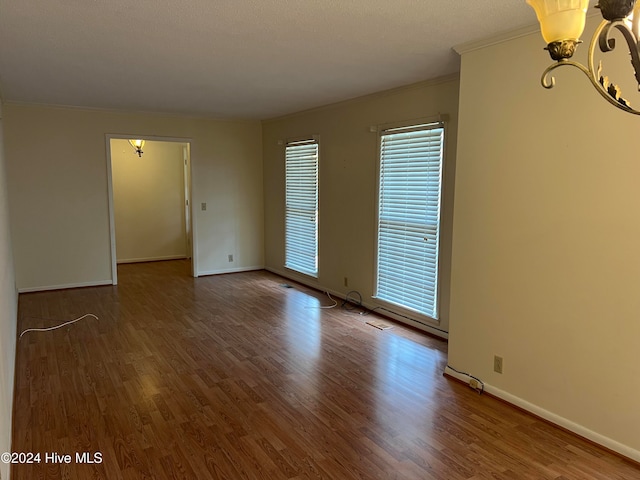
(152, 259)
(186, 155)
(420, 124)
(496, 39)
(576, 428)
(384, 93)
(503, 37)
(112, 223)
(221, 271)
(194, 218)
(125, 111)
(382, 128)
(303, 175)
(308, 281)
(98, 283)
(112, 220)
(433, 330)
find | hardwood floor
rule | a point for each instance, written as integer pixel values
(236, 377)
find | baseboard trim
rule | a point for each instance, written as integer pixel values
(47, 288)
(313, 283)
(564, 423)
(300, 278)
(151, 259)
(222, 271)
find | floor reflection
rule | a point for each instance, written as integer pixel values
(406, 373)
(303, 328)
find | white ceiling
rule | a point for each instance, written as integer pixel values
(233, 58)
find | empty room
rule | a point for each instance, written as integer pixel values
(319, 240)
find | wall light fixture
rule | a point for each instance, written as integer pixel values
(137, 146)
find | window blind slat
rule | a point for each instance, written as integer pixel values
(301, 216)
(409, 217)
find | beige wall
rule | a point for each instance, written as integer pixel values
(57, 176)
(149, 201)
(348, 179)
(546, 265)
(8, 317)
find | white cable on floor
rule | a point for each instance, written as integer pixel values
(57, 326)
(335, 303)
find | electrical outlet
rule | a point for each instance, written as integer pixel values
(231, 258)
(497, 364)
(346, 281)
(473, 383)
(203, 206)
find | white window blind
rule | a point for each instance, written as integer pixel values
(301, 229)
(409, 217)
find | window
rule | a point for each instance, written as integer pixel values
(409, 217)
(301, 216)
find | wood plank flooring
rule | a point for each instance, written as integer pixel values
(236, 377)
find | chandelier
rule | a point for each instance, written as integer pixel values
(137, 146)
(562, 22)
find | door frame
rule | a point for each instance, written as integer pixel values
(192, 247)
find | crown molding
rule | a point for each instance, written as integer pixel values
(496, 39)
(118, 111)
(504, 36)
(383, 93)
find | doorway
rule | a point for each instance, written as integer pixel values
(149, 201)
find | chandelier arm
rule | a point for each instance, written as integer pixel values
(561, 44)
(607, 44)
(601, 37)
(549, 81)
(635, 24)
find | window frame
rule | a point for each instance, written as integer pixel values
(393, 307)
(290, 265)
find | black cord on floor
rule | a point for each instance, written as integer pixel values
(368, 312)
(350, 303)
(480, 382)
